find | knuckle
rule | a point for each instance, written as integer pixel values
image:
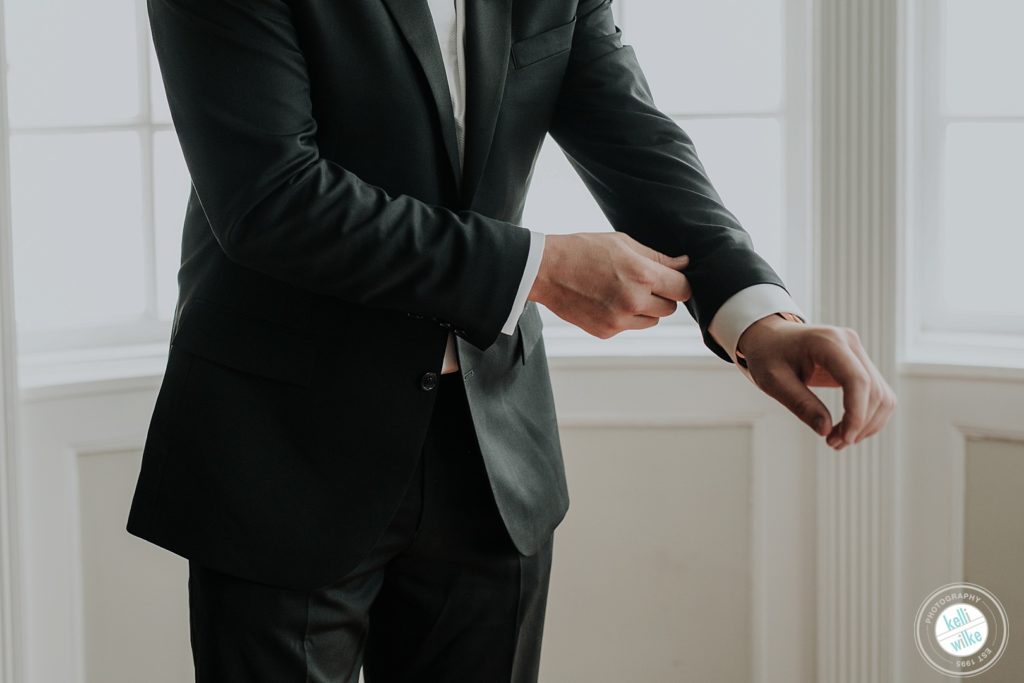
(643, 274)
(876, 397)
(827, 336)
(836, 335)
(860, 377)
(627, 243)
(632, 304)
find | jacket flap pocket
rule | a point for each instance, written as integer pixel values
(543, 44)
(245, 343)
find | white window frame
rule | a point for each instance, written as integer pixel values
(930, 334)
(50, 355)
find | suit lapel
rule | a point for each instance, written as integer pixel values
(488, 40)
(416, 24)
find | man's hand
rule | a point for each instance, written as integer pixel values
(605, 283)
(785, 358)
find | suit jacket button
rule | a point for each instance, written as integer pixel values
(428, 381)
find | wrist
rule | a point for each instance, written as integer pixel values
(549, 255)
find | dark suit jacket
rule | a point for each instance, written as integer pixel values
(331, 242)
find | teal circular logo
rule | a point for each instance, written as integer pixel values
(961, 629)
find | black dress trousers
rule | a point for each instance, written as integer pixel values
(443, 596)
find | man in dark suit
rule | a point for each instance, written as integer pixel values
(355, 442)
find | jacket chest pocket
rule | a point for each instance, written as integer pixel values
(542, 46)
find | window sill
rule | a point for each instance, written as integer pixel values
(51, 374)
(965, 355)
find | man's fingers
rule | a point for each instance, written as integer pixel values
(783, 384)
(836, 356)
(825, 356)
(640, 322)
(668, 281)
(671, 284)
(673, 262)
(883, 398)
(659, 306)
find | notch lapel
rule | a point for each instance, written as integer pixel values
(488, 41)
(417, 25)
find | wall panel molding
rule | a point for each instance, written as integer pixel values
(666, 394)
(944, 417)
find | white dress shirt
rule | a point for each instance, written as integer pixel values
(733, 317)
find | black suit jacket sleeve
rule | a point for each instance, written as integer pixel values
(239, 96)
(643, 171)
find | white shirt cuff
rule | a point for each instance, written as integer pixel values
(746, 307)
(533, 259)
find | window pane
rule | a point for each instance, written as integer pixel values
(702, 56)
(171, 188)
(983, 231)
(559, 202)
(984, 56)
(72, 63)
(744, 160)
(78, 226)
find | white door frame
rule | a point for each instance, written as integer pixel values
(10, 661)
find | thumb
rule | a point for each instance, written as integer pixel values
(676, 262)
(784, 385)
(673, 262)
